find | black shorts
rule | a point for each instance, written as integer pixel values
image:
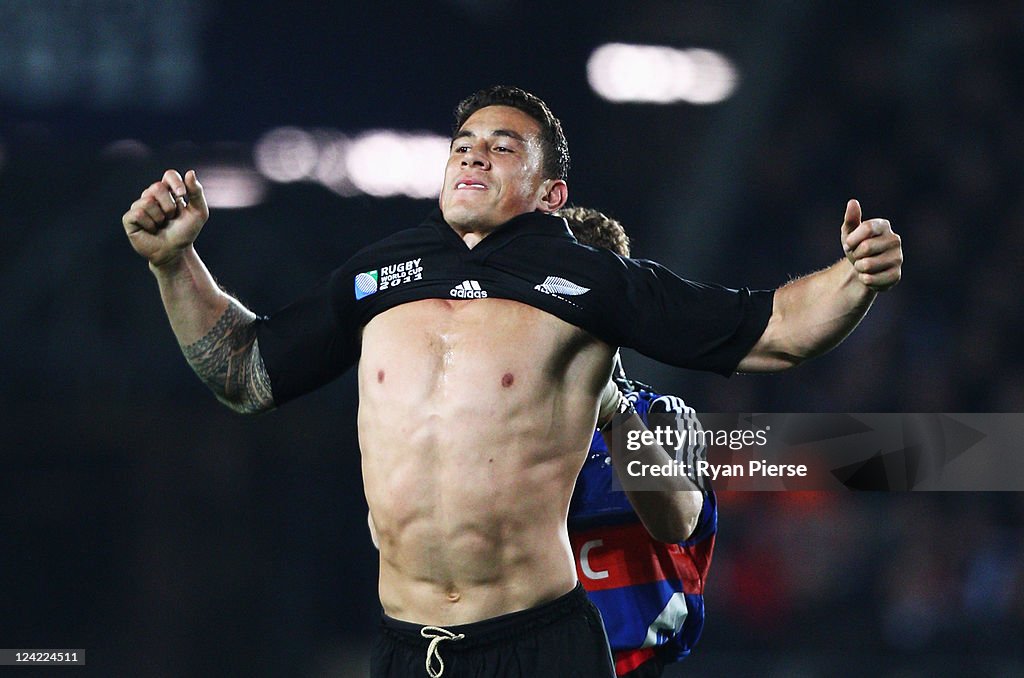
(564, 638)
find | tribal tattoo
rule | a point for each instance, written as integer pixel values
(228, 360)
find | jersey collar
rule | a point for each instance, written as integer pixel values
(531, 223)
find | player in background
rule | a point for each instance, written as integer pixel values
(642, 556)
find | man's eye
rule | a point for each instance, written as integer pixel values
(503, 149)
(461, 149)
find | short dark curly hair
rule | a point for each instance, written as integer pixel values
(553, 143)
(596, 229)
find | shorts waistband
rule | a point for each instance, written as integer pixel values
(500, 628)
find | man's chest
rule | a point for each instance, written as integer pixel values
(471, 334)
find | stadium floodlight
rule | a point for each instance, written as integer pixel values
(286, 154)
(660, 75)
(232, 187)
(388, 163)
(381, 163)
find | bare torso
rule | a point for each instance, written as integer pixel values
(474, 419)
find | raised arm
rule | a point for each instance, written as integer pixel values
(668, 506)
(813, 314)
(217, 334)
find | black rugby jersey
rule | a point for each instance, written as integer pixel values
(533, 259)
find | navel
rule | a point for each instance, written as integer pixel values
(380, 376)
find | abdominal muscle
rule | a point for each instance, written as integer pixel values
(474, 419)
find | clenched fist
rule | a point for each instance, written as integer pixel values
(875, 251)
(167, 217)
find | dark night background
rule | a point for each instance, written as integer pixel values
(169, 537)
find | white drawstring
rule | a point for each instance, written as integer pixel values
(436, 634)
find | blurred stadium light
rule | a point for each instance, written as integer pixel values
(660, 75)
(286, 154)
(387, 162)
(228, 186)
(330, 167)
(380, 163)
(126, 149)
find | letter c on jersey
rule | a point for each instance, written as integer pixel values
(585, 560)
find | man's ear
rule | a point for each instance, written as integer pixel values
(554, 194)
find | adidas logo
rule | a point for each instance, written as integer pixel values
(468, 289)
(561, 286)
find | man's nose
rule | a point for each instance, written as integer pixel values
(475, 157)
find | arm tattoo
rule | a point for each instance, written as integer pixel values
(228, 360)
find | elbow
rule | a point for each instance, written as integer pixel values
(678, 524)
(251, 409)
(248, 410)
(765, 361)
(238, 378)
(674, 531)
(672, 535)
(248, 390)
(782, 345)
(789, 360)
(774, 352)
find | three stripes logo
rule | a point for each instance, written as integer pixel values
(692, 447)
(468, 289)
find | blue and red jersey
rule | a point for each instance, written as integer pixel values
(650, 594)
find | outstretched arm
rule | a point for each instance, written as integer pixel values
(813, 314)
(216, 333)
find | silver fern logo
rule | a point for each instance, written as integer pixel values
(561, 287)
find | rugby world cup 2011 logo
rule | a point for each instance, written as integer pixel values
(366, 284)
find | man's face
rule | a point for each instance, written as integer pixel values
(494, 169)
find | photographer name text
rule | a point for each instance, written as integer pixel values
(697, 466)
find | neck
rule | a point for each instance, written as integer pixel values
(473, 239)
(473, 234)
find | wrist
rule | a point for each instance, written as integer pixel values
(172, 264)
(623, 411)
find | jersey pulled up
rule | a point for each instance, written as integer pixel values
(533, 259)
